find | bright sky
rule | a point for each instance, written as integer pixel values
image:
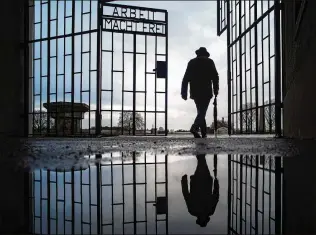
(192, 24)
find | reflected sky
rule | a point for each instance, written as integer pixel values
(142, 193)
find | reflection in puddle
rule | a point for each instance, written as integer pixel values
(142, 193)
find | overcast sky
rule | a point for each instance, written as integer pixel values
(192, 24)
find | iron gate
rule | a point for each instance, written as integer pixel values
(81, 77)
(117, 195)
(254, 64)
(255, 192)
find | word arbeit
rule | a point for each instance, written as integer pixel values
(133, 20)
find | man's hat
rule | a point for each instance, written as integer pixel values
(202, 52)
(203, 221)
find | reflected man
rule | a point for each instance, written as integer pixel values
(202, 198)
(202, 75)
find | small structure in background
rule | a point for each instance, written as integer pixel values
(62, 113)
(222, 127)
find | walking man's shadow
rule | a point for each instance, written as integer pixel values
(203, 197)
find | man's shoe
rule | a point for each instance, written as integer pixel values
(194, 131)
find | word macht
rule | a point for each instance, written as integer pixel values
(131, 26)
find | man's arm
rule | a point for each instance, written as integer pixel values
(215, 79)
(185, 81)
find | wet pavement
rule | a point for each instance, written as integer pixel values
(159, 190)
(64, 153)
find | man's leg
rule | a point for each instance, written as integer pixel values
(204, 106)
(198, 122)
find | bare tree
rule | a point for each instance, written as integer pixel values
(126, 120)
(40, 121)
(269, 116)
(248, 117)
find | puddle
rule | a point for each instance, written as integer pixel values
(146, 193)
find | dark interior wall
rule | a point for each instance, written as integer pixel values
(300, 194)
(299, 71)
(12, 179)
(11, 82)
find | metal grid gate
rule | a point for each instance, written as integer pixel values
(117, 195)
(131, 54)
(253, 31)
(255, 192)
(73, 71)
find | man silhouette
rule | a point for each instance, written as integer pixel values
(202, 75)
(201, 201)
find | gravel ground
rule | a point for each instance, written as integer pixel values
(69, 152)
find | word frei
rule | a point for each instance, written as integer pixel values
(133, 20)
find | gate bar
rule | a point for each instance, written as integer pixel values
(256, 66)
(277, 69)
(72, 66)
(98, 115)
(166, 79)
(229, 79)
(134, 84)
(26, 67)
(240, 70)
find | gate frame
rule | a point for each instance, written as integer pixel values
(29, 77)
(105, 3)
(224, 6)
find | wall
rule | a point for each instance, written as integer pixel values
(299, 72)
(11, 82)
(12, 180)
(299, 192)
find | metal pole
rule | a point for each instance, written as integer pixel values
(257, 195)
(72, 67)
(48, 68)
(218, 17)
(229, 214)
(256, 65)
(99, 72)
(26, 68)
(72, 200)
(134, 188)
(241, 194)
(278, 196)
(229, 71)
(99, 197)
(134, 83)
(277, 35)
(240, 73)
(166, 188)
(166, 81)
